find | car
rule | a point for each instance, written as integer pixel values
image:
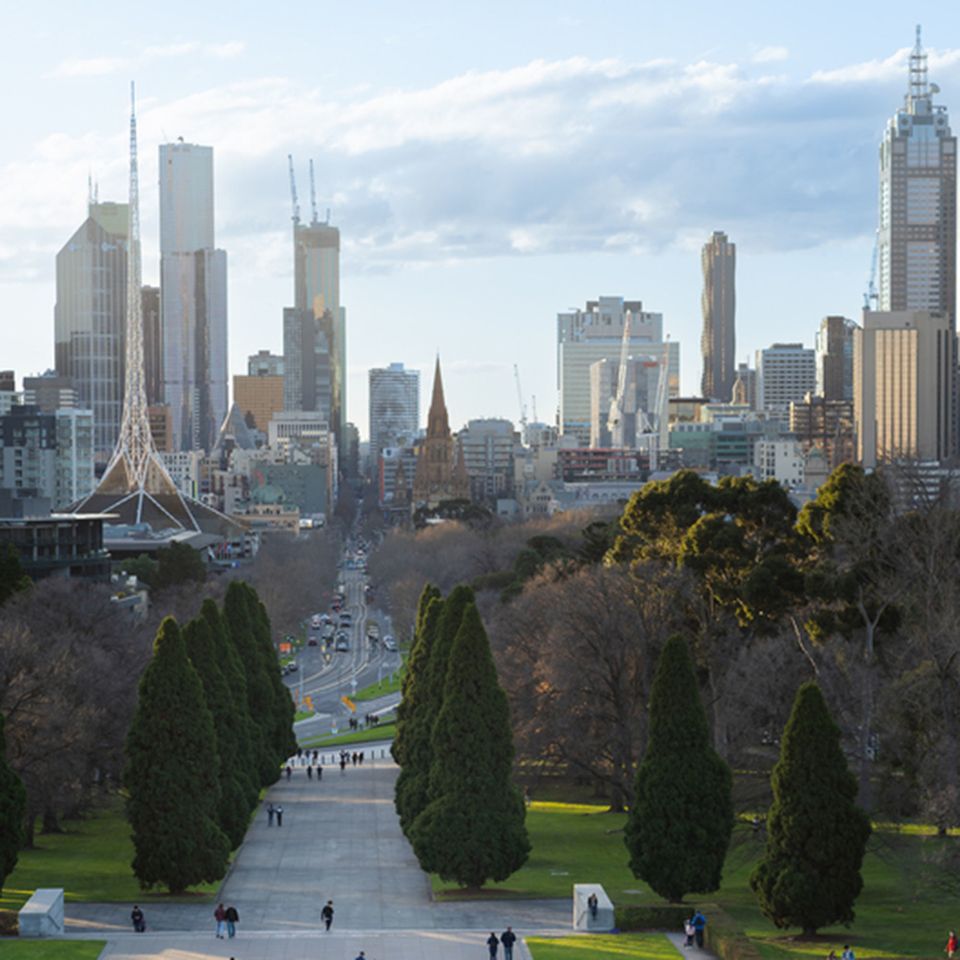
(389, 644)
(316, 622)
(325, 618)
(312, 642)
(291, 667)
(343, 645)
(346, 617)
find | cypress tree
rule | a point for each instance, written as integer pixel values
(260, 697)
(243, 732)
(412, 742)
(809, 876)
(13, 805)
(171, 774)
(473, 828)
(233, 812)
(679, 826)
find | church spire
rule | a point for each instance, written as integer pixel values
(438, 423)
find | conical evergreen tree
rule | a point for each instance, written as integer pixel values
(415, 727)
(809, 876)
(12, 577)
(473, 828)
(234, 812)
(13, 804)
(260, 696)
(171, 774)
(243, 731)
(680, 823)
(283, 739)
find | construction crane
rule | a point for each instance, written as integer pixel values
(663, 407)
(523, 408)
(870, 295)
(313, 197)
(616, 416)
(293, 192)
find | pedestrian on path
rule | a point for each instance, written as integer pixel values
(593, 904)
(220, 915)
(492, 944)
(137, 918)
(361, 956)
(232, 918)
(309, 773)
(289, 771)
(700, 921)
(278, 810)
(508, 938)
(689, 931)
(327, 914)
(270, 813)
(319, 774)
(343, 762)
(360, 755)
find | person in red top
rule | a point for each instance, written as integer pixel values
(220, 915)
(952, 945)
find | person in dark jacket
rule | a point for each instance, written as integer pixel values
(699, 922)
(326, 914)
(136, 916)
(492, 944)
(232, 918)
(508, 938)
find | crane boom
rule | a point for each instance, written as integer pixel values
(615, 417)
(523, 409)
(293, 192)
(313, 196)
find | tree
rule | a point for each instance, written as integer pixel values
(680, 824)
(13, 803)
(234, 809)
(473, 828)
(414, 721)
(171, 774)
(12, 578)
(809, 876)
(178, 564)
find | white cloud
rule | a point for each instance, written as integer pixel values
(891, 68)
(771, 54)
(89, 67)
(104, 66)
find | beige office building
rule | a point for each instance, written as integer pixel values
(260, 398)
(903, 383)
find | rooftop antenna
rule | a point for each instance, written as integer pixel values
(328, 216)
(313, 196)
(89, 189)
(293, 192)
(918, 71)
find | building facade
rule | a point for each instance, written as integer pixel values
(193, 297)
(152, 344)
(259, 398)
(639, 401)
(786, 372)
(263, 363)
(917, 236)
(308, 362)
(596, 333)
(718, 342)
(488, 448)
(834, 355)
(90, 316)
(905, 375)
(394, 408)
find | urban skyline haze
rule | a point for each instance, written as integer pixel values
(459, 161)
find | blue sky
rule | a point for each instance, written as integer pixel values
(488, 164)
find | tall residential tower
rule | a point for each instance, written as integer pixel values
(193, 297)
(718, 341)
(916, 240)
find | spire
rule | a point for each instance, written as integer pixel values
(437, 422)
(918, 88)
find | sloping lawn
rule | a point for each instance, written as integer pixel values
(595, 946)
(14, 949)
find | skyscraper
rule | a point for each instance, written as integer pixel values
(193, 297)
(394, 408)
(785, 372)
(718, 342)
(308, 363)
(90, 315)
(916, 240)
(834, 348)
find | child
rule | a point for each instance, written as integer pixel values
(689, 930)
(951, 947)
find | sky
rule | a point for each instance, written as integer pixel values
(488, 164)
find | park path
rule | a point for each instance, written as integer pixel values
(340, 840)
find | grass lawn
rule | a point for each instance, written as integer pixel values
(91, 861)
(302, 715)
(654, 946)
(390, 684)
(385, 731)
(14, 949)
(910, 880)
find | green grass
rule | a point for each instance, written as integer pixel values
(910, 881)
(91, 861)
(587, 946)
(13, 949)
(385, 731)
(302, 715)
(387, 685)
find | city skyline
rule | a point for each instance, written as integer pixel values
(411, 288)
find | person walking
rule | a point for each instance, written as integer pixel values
(700, 921)
(270, 813)
(847, 953)
(508, 938)
(593, 905)
(326, 914)
(278, 810)
(138, 920)
(289, 771)
(319, 774)
(232, 918)
(220, 915)
(309, 773)
(689, 931)
(343, 762)
(951, 947)
(360, 755)
(492, 944)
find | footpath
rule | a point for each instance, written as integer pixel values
(340, 841)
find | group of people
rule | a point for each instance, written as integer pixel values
(848, 954)
(506, 940)
(693, 927)
(274, 811)
(346, 757)
(227, 919)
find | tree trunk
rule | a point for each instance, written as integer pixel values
(29, 830)
(50, 822)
